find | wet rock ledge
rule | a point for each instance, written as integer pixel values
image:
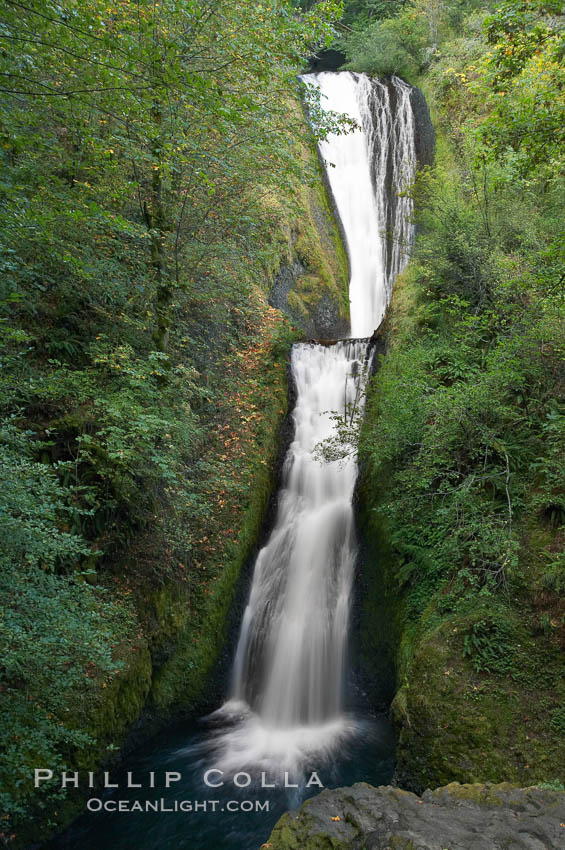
(455, 817)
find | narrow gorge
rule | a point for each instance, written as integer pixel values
(293, 717)
(282, 425)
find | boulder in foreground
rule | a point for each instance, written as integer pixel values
(455, 817)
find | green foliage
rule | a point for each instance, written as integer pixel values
(35, 509)
(397, 45)
(460, 409)
(56, 631)
(518, 80)
(524, 75)
(554, 574)
(143, 149)
(558, 721)
(403, 38)
(489, 645)
(359, 12)
(461, 450)
(117, 109)
(57, 634)
(556, 785)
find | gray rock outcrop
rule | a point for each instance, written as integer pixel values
(455, 817)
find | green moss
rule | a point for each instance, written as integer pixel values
(381, 628)
(117, 706)
(482, 794)
(287, 835)
(478, 675)
(396, 842)
(319, 248)
(197, 629)
(314, 241)
(456, 725)
(182, 680)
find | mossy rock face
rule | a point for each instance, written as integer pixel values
(455, 817)
(312, 284)
(455, 724)
(478, 687)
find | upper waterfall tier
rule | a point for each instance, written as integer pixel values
(369, 171)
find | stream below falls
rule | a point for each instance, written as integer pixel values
(292, 715)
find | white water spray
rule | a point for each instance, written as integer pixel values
(287, 701)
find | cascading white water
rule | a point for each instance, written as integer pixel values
(368, 171)
(290, 658)
(288, 676)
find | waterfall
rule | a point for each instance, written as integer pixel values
(287, 699)
(290, 659)
(368, 171)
